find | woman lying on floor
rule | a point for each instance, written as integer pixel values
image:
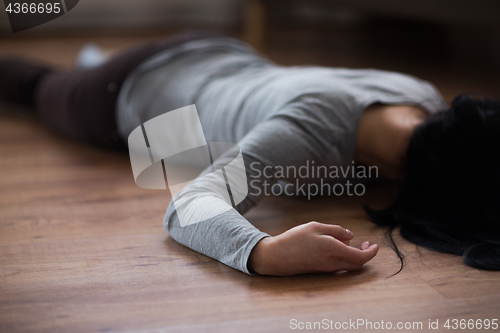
(448, 160)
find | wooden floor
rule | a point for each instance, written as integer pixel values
(83, 249)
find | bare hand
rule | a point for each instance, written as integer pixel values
(309, 248)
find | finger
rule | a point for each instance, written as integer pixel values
(346, 242)
(335, 231)
(357, 256)
(364, 246)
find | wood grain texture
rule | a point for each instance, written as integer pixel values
(83, 249)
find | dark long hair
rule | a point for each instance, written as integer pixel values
(450, 198)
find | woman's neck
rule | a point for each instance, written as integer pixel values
(383, 136)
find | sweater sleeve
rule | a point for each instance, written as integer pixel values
(292, 138)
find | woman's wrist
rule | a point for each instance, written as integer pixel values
(259, 259)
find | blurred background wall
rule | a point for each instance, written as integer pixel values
(461, 32)
(141, 14)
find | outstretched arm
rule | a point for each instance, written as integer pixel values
(230, 238)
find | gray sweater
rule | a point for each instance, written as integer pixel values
(279, 116)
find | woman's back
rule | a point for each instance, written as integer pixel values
(234, 89)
